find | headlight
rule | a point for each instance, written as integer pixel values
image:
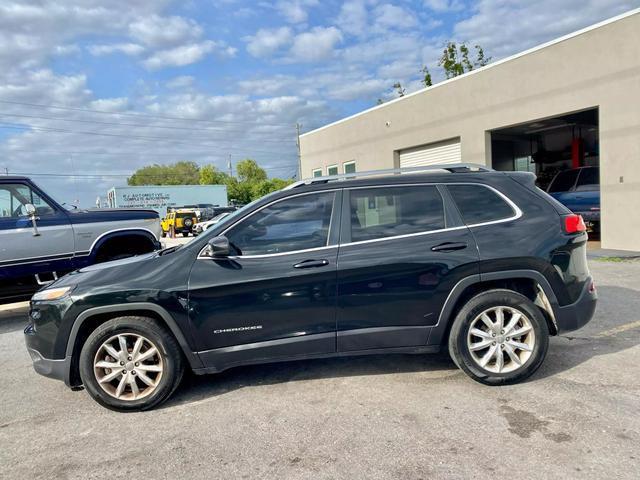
(51, 293)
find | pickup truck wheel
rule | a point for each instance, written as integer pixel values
(499, 337)
(130, 363)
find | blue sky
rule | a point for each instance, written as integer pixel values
(90, 90)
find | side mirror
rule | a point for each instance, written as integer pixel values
(217, 247)
(31, 213)
(30, 209)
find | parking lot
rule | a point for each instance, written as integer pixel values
(370, 417)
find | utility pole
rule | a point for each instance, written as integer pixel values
(299, 153)
(6, 171)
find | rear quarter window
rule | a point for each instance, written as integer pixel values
(479, 204)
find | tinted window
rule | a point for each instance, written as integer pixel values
(478, 204)
(389, 211)
(296, 223)
(564, 181)
(589, 179)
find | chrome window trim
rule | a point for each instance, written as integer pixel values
(517, 214)
(233, 257)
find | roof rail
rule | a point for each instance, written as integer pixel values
(450, 167)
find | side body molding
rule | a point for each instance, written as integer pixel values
(127, 308)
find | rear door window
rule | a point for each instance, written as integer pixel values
(479, 204)
(391, 211)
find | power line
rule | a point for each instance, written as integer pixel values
(170, 127)
(112, 154)
(118, 135)
(120, 175)
(136, 114)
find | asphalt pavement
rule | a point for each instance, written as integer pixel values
(381, 417)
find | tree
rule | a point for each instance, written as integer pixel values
(249, 171)
(252, 181)
(426, 77)
(264, 187)
(239, 192)
(180, 173)
(455, 59)
(398, 88)
(210, 175)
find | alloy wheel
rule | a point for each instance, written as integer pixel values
(501, 339)
(128, 366)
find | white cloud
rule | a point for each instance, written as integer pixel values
(110, 104)
(157, 31)
(269, 86)
(442, 6)
(295, 11)
(181, 81)
(125, 48)
(388, 16)
(315, 45)
(500, 26)
(186, 55)
(353, 17)
(361, 88)
(266, 42)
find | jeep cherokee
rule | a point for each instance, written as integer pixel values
(460, 257)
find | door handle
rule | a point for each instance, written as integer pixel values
(312, 264)
(449, 246)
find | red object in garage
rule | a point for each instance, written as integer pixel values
(577, 152)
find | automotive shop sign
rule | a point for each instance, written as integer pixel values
(159, 197)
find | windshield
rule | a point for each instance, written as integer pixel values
(219, 217)
(564, 181)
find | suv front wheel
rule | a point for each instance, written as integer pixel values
(499, 337)
(130, 363)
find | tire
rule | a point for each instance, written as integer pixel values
(470, 349)
(185, 234)
(167, 357)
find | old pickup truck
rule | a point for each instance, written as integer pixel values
(41, 240)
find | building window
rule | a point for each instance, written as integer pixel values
(349, 167)
(332, 170)
(317, 172)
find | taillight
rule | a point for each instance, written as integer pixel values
(574, 224)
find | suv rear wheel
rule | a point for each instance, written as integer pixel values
(499, 337)
(130, 363)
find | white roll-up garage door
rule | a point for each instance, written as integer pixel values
(432, 154)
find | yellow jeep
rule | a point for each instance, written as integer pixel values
(179, 221)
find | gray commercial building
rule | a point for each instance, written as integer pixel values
(574, 101)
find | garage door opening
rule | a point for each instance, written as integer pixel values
(563, 152)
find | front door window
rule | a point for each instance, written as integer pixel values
(15, 196)
(296, 223)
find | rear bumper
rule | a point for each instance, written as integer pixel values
(48, 367)
(590, 215)
(578, 314)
